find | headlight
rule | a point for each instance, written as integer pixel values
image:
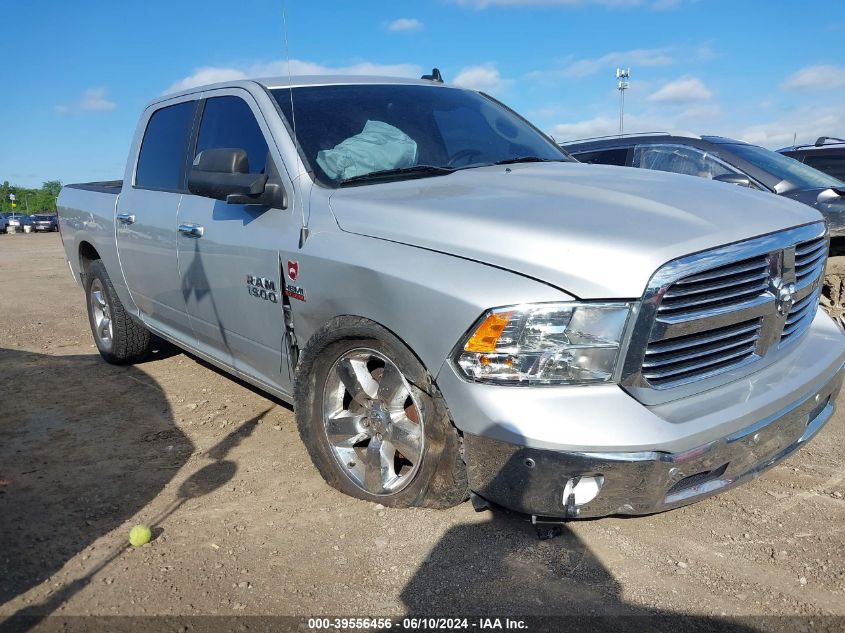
(546, 343)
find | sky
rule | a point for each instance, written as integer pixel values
(77, 75)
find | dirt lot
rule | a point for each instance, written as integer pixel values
(245, 525)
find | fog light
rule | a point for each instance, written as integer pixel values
(581, 490)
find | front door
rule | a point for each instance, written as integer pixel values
(146, 220)
(229, 253)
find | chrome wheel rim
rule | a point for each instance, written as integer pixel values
(373, 422)
(101, 315)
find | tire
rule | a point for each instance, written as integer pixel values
(120, 339)
(406, 414)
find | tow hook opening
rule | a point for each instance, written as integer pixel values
(579, 491)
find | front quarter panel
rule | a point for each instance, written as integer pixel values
(428, 299)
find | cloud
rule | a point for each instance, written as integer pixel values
(579, 68)
(683, 90)
(805, 123)
(819, 77)
(213, 74)
(404, 24)
(693, 120)
(657, 5)
(485, 78)
(93, 100)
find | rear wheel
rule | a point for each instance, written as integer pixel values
(373, 422)
(119, 338)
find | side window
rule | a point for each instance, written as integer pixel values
(161, 161)
(680, 159)
(228, 122)
(618, 156)
(830, 164)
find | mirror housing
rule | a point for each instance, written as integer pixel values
(734, 179)
(223, 174)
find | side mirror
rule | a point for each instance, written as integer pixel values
(734, 179)
(223, 174)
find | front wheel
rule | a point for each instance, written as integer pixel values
(120, 338)
(374, 423)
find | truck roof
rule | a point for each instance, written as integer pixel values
(300, 80)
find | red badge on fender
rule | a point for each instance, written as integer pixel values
(293, 270)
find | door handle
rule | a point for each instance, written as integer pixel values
(126, 218)
(192, 230)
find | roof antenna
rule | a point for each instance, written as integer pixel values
(303, 230)
(435, 76)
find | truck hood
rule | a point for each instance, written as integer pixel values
(594, 231)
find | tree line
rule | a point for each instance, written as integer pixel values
(26, 200)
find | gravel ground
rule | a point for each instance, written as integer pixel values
(244, 525)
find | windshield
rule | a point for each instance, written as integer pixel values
(43, 217)
(349, 131)
(786, 168)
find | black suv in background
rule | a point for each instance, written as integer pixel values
(731, 161)
(45, 222)
(827, 154)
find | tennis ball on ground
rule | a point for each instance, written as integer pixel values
(139, 535)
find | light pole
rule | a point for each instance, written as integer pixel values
(622, 76)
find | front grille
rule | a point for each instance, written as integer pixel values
(695, 355)
(718, 311)
(724, 286)
(810, 260)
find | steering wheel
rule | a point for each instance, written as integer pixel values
(463, 153)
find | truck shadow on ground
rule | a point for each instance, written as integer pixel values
(77, 460)
(500, 568)
(83, 447)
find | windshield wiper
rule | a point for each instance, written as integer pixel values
(528, 159)
(386, 174)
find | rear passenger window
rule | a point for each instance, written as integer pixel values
(228, 122)
(161, 162)
(831, 165)
(680, 159)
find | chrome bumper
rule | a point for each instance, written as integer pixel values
(533, 480)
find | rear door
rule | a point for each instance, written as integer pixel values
(229, 253)
(146, 218)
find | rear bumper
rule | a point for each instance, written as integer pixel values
(534, 481)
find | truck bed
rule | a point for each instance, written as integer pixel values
(104, 186)
(86, 221)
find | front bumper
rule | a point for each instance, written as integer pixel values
(534, 481)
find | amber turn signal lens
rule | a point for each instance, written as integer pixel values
(486, 336)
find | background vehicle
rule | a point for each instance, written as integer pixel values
(827, 154)
(45, 222)
(4, 223)
(17, 221)
(731, 161)
(446, 298)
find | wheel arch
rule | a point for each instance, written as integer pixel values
(87, 254)
(350, 327)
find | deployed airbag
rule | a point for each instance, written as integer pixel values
(377, 147)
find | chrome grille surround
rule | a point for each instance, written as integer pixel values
(706, 318)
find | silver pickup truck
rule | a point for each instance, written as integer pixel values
(452, 305)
